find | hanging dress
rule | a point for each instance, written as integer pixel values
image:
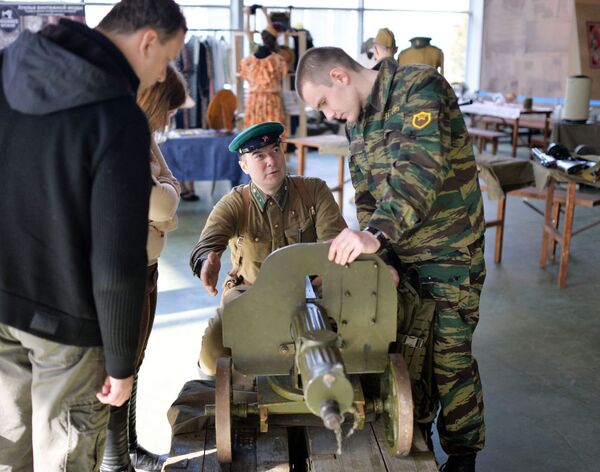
(264, 96)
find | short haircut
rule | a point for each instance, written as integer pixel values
(161, 98)
(129, 16)
(314, 66)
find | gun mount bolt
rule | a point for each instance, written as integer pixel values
(373, 320)
(347, 294)
(344, 322)
(373, 294)
(284, 349)
(342, 344)
(375, 266)
(329, 380)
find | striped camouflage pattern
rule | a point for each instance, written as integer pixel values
(413, 168)
(412, 164)
(454, 281)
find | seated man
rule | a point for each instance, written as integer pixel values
(273, 211)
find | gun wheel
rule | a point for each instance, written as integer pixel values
(223, 400)
(397, 407)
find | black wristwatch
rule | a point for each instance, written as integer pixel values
(378, 234)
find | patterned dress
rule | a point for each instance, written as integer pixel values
(264, 98)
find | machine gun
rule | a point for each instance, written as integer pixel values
(309, 352)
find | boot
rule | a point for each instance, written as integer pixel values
(460, 463)
(140, 457)
(426, 431)
(116, 454)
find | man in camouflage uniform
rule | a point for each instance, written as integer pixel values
(417, 196)
(273, 211)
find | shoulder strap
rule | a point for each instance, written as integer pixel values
(245, 212)
(243, 223)
(308, 202)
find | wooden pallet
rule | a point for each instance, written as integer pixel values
(254, 451)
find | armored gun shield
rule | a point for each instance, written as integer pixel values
(307, 350)
(359, 299)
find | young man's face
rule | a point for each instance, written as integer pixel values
(155, 56)
(266, 167)
(339, 100)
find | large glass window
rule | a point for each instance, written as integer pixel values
(421, 5)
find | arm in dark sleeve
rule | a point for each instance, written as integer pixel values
(365, 203)
(119, 225)
(221, 226)
(418, 165)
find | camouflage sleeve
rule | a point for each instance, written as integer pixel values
(417, 142)
(329, 222)
(220, 227)
(365, 203)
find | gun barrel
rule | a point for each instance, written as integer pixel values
(327, 391)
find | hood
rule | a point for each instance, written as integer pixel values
(41, 77)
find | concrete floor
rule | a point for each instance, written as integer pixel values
(538, 347)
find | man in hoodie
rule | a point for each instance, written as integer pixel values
(72, 256)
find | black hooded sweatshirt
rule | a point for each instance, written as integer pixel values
(74, 192)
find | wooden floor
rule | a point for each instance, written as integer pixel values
(313, 449)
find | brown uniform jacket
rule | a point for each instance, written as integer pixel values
(270, 225)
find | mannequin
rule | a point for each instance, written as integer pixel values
(422, 52)
(264, 70)
(384, 44)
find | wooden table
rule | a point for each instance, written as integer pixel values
(300, 440)
(551, 235)
(325, 144)
(510, 115)
(572, 135)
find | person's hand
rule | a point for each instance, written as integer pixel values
(115, 392)
(349, 244)
(209, 274)
(395, 275)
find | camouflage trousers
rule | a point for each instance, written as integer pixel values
(454, 282)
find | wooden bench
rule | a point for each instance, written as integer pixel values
(482, 136)
(570, 199)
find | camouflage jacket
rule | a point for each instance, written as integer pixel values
(412, 164)
(272, 222)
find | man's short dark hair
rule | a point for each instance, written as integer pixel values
(314, 66)
(129, 16)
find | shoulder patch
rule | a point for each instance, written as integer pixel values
(421, 119)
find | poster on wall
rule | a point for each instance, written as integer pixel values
(593, 43)
(16, 17)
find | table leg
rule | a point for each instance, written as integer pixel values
(555, 224)
(515, 138)
(547, 220)
(566, 235)
(500, 230)
(301, 157)
(546, 131)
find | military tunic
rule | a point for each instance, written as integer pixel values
(414, 172)
(272, 223)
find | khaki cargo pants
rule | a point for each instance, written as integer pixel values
(50, 419)
(212, 341)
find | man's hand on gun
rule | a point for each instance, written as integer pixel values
(349, 244)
